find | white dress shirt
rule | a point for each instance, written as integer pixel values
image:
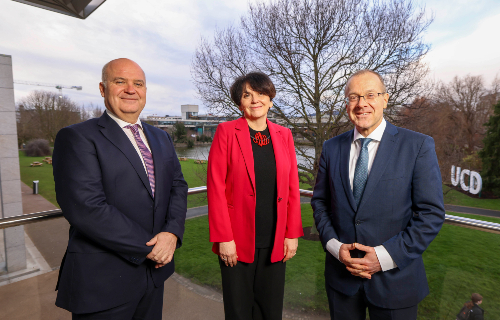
(130, 135)
(333, 245)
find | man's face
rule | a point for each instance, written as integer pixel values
(366, 114)
(125, 89)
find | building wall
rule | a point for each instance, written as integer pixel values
(10, 179)
(189, 110)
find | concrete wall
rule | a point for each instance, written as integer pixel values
(10, 180)
(189, 109)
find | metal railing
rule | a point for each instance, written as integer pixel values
(52, 214)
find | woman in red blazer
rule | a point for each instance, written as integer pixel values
(253, 203)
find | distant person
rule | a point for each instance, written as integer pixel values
(471, 309)
(378, 204)
(120, 186)
(253, 203)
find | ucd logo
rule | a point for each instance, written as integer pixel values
(475, 181)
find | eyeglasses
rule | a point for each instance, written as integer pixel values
(369, 97)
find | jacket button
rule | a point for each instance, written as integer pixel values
(358, 222)
(279, 199)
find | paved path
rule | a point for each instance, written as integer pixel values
(196, 212)
(50, 237)
(470, 210)
(34, 298)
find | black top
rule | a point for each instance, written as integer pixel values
(476, 313)
(265, 185)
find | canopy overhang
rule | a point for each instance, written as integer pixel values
(75, 8)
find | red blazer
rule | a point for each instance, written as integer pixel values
(231, 189)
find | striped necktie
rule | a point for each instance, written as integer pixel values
(146, 155)
(361, 171)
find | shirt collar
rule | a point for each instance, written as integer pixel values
(120, 122)
(375, 135)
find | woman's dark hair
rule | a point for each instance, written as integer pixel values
(258, 81)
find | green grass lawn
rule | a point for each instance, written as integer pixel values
(457, 198)
(459, 262)
(43, 174)
(193, 174)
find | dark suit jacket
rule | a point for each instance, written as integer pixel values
(401, 208)
(104, 193)
(231, 189)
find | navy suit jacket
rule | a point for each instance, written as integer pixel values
(104, 192)
(401, 208)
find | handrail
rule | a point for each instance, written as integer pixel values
(30, 218)
(473, 222)
(57, 213)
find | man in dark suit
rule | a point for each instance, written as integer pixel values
(120, 186)
(378, 204)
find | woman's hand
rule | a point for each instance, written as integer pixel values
(227, 252)
(290, 248)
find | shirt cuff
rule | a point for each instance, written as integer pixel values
(384, 258)
(333, 246)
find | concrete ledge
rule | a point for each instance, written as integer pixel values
(35, 265)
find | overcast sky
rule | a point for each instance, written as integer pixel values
(161, 35)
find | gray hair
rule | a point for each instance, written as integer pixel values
(104, 75)
(365, 71)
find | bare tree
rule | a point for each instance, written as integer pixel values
(91, 111)
(42, 114)
(309, 48)
(426, 116)
(454, 115)
(471, 105)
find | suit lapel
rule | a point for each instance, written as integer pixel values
(112, 131)
(345, 152)
(243, 137)
(380, 162)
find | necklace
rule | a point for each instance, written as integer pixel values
(260, 139)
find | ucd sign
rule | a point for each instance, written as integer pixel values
(458, 176)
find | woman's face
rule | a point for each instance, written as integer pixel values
(254, 104)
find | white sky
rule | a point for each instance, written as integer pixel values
(161, 35)
(464, 38)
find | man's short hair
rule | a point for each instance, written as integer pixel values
(258, 81)
(364, 71)
(104, 75)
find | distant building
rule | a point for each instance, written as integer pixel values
(189, 111)
(205, 124)
(193, 121)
